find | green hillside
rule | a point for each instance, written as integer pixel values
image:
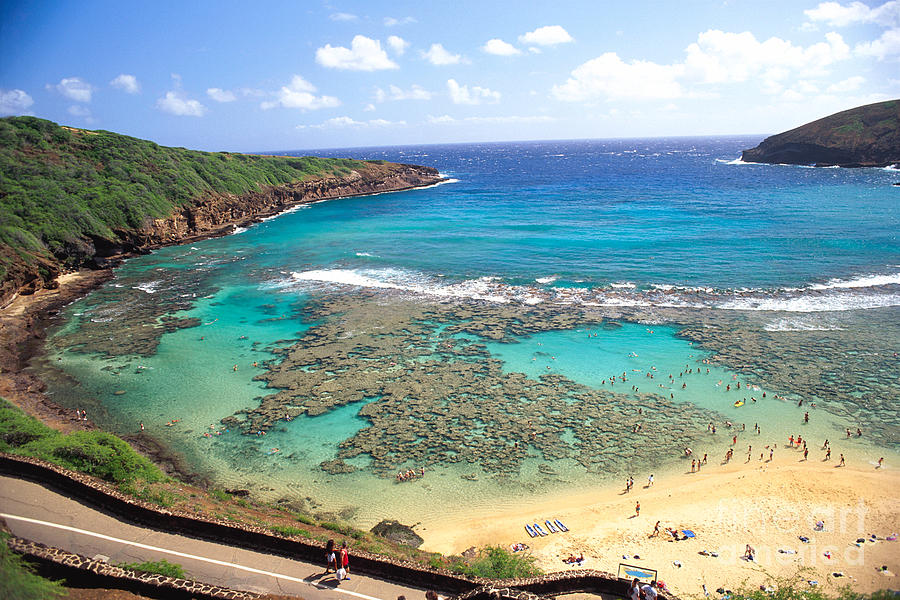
(59, 185)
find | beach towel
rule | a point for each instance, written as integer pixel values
(688, 533)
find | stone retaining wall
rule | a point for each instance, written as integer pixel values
(77, 569)
(110, 500)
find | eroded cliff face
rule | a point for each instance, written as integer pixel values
(208, 216)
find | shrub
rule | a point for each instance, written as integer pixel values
(305, 520)
(219, 495)
(494, 562)
(18, 581)
(162, 567)
(289, 531)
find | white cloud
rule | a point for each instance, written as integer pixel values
(500, 48)
(851, 84)
(721, 57)
(461, 94)
(176, 103)
(348, 122)
(397, 44)
(416, 92)
(836, 14)
(549, 35)
(364, 54)
(393, 22)
(77, 110)
(342, 16)
(300, 94)
(127, 83)
(75, 88)
(369, 107)
(438, 55)
(14, 102)
(607, 76)
(887, 45)
(220, 95)
(448, 120)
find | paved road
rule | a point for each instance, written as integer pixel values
(37, 513)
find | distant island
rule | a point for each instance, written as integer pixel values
(71, 198)
(866, 136)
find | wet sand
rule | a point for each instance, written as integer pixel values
(765, 504)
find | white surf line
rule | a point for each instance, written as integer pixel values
(184, 555)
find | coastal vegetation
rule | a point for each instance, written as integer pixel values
(69, 197)
(865, 136)
(96, 453)
(159, 567)
(18, 580)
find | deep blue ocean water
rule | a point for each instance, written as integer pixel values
(638, 224)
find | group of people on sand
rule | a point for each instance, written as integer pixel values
(410, 474)
(574, 560)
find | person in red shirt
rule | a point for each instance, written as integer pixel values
(345, 559)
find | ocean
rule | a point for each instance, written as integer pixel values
(556, 316)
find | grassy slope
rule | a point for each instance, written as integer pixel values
(59, 186)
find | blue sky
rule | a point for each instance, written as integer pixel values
(275, 75)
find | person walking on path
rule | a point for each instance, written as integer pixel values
(345, 559)
(330, 558)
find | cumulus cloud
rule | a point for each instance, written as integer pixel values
(461, 94)
(438, 55)
(397, 44)
(127, 83)
(836, 14)
(74, 88)
(608, 76)
(177, 103)
(886, 46)
(500, 48)
(416, 92)
(549, 35)
(342, 16)
(348, 122)
(77, 110)
(220, 95)
(364, 54)
(448, 120)
(393, 22)
(14, 102)
(300, 94)
(718, 56)
(851, 84)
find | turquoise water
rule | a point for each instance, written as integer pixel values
(591, 258)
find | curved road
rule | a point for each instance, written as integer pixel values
(37, 513)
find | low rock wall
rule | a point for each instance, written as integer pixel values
(110, 500)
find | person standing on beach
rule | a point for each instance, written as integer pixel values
(842, 461)
(637, 509)
(650, 480)
(655, 532)
(828, 454)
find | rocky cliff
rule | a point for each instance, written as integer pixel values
(866, 136)
(207, 216)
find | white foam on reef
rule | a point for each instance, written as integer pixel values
(838, 295)
(364, 254)
(736, 161)
(859, 282)
(801, 323)
(545, 280)
(150, 287)
(806, 303)
(239, 230)
(892, 168)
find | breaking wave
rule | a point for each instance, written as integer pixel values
(862, 293)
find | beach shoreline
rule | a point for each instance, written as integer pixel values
(767, 505)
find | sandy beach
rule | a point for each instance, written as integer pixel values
(768, 505)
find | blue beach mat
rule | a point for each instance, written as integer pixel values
(688, 533)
